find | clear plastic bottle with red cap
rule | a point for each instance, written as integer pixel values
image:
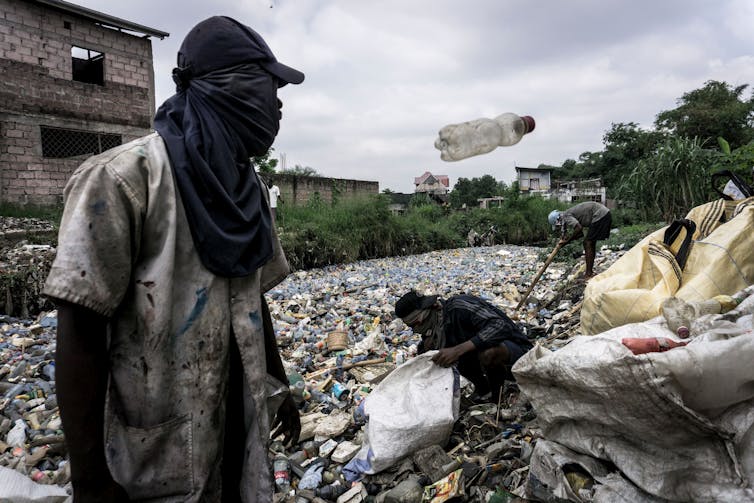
(480, 136)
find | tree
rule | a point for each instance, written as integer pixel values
(625, 145)
(670, 182)
(467, 191)
(263, 163)
(716, 110)
(299, 170)
(739, 161)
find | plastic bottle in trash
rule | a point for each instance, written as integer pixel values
(479, 136)
(17, 435)
(297, 391)
(318, 396)
(282, 470)
(640, 346)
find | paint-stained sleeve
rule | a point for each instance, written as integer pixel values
(98, 237)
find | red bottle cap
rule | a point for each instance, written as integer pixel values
(529, 121)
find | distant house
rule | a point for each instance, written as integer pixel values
(534, 180)
(399, 202)
(570, 191)
(491, 202)
(432, 184)
(75, 82)
(539, 181)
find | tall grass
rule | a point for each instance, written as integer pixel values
(320, 234)
(671, 182)
(50, 213)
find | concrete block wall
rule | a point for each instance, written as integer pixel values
(37, 89)
(26, 177)
(296, 189)
(36, 67)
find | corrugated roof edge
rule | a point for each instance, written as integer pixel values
(101, 17)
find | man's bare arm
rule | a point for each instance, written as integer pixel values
(81, 379)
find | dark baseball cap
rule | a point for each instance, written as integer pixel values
(221, 42)
(412, 301)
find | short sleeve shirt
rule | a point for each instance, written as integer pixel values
(125, 251)
(583, 214)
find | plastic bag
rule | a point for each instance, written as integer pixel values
(676, 424)
(715, 258)
(19, 488)
(17, 435)
(412, 408)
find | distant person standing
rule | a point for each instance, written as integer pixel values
(274, 196)
(589, 214)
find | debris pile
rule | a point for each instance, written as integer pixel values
(26, 255)
(31, 438)
(23, 271)
(339, 340)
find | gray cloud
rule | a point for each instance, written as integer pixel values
(384, 77)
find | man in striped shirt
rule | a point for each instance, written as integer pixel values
(469, 332)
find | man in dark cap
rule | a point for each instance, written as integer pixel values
(168, 375)
(469, 331)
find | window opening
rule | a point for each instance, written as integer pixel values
(88, 66)
(60, 143)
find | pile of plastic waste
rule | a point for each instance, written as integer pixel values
(339, 340)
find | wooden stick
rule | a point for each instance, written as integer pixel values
(363, 363)
(499, 401)
(347, 366)
(539, 274)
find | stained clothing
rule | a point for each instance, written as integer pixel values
(469, 318)
(584, 214)
(125, 251)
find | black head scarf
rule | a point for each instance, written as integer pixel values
(225, 110)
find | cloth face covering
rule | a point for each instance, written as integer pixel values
(431, 329)
(211, 127)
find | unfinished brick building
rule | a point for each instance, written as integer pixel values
(74, 82)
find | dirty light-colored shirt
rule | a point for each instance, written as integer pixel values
(584, 214)
(126, 252)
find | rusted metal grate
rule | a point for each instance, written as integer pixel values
(59, 142)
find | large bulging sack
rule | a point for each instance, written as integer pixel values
(712, 256)
(677, 425)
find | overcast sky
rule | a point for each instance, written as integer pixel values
(382, 77)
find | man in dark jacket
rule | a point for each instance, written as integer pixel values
(469, 331)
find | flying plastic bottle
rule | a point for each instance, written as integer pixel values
(480, 136)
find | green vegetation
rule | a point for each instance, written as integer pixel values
(664, 172)
(265, 163)
(49, 213)
(656, 175)
(320, 234)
